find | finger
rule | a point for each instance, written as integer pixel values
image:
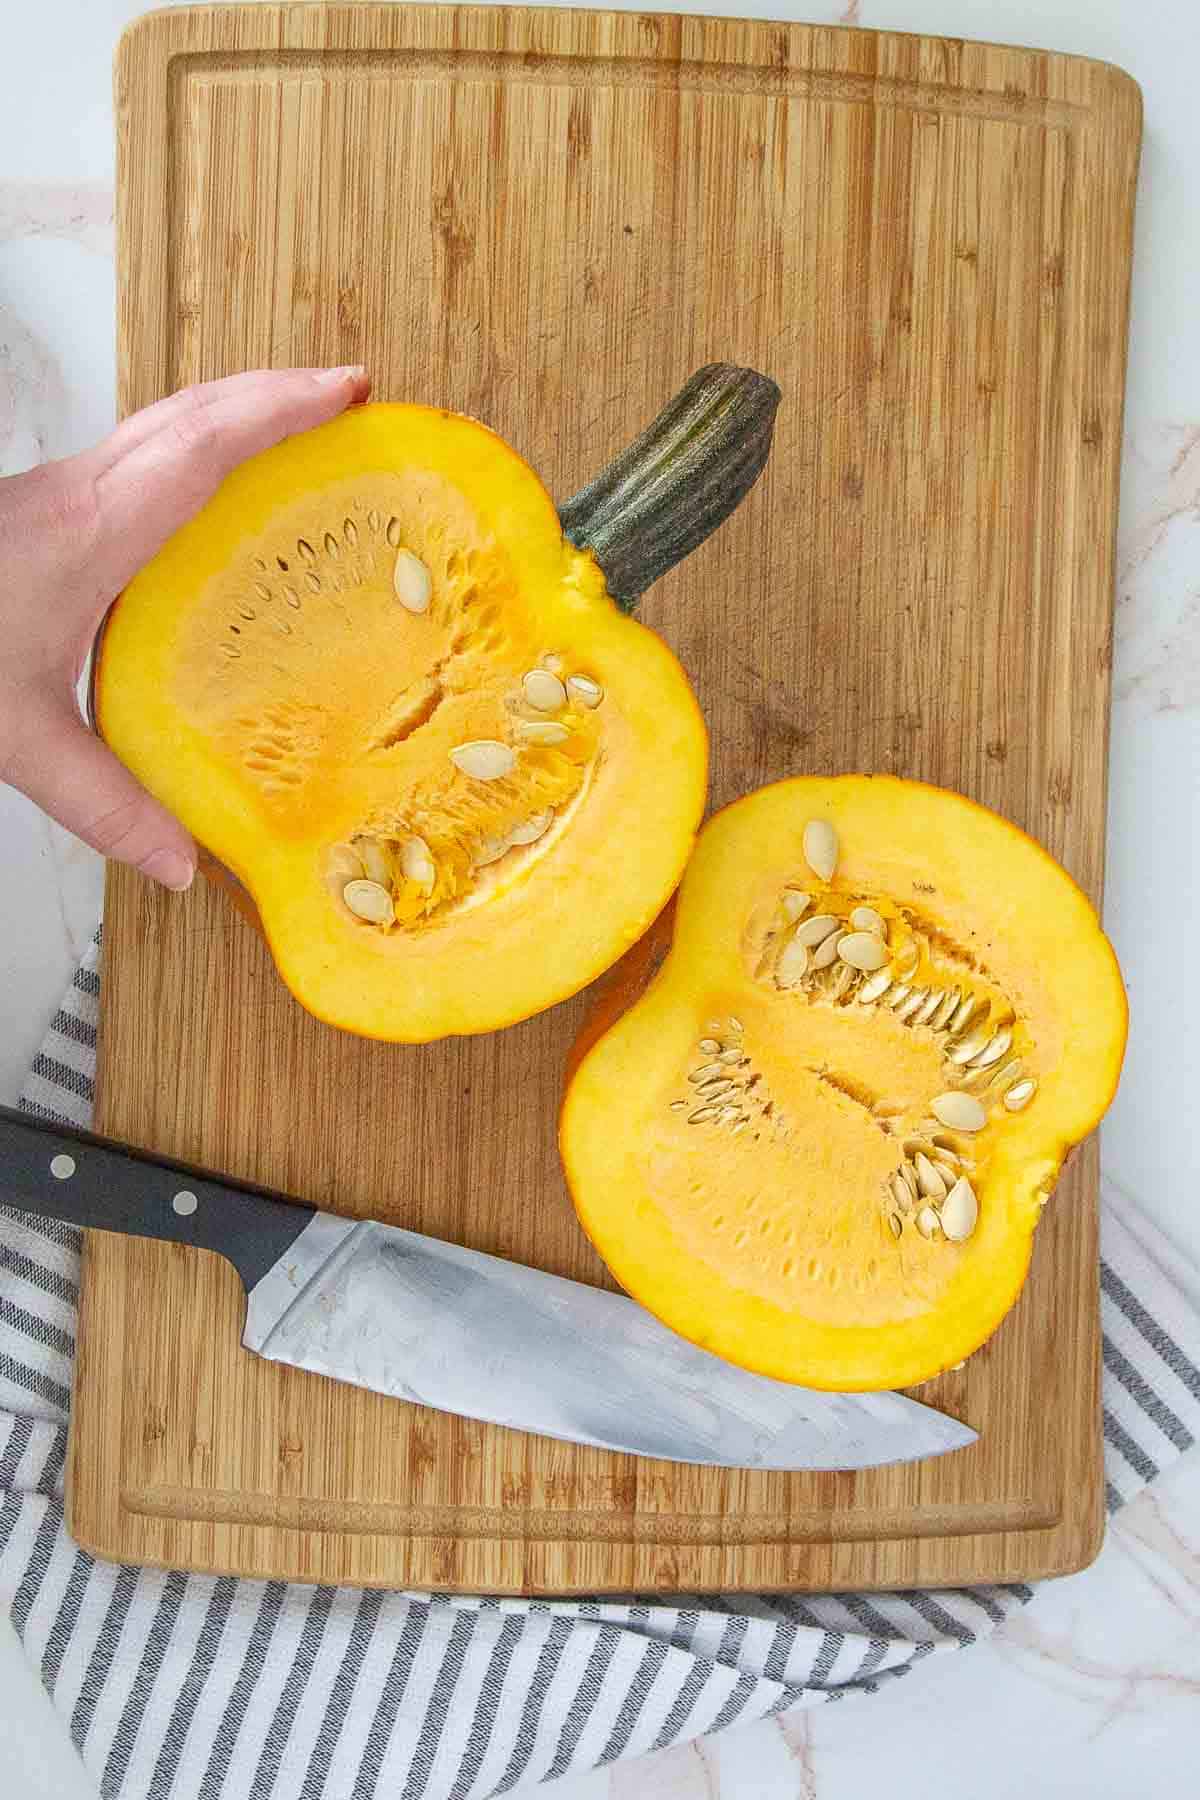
(157, 487)
(249, 386)
(77, 780)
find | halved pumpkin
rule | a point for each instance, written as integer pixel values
(400, 706)
(814, 1121)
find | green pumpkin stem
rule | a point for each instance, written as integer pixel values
(677, 482)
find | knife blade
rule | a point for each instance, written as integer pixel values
(439, 1325)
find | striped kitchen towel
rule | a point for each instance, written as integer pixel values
(188, 1687)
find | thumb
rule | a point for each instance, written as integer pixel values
(69, 773)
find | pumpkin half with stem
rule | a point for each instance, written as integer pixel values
(402, 704)
(814, 1120)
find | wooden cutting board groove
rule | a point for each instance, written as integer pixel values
(549, 219)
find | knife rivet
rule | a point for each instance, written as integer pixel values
(185, 1202)
(62, 1167)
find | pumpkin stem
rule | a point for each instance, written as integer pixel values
(677, 482)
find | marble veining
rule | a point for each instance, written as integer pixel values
(1157, 629)
(80, 211)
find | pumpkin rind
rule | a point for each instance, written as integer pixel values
(694, 1221)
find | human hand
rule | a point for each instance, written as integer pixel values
(72, 535)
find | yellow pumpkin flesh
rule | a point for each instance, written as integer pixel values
(273, 677)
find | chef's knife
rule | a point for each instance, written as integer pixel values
(442, 1326)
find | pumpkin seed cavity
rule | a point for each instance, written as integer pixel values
(882, 957)
(930, 1189)
(400, 575)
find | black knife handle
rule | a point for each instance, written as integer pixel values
(62, 1173)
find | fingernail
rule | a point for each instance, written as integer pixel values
(350, 372)
(169, 867)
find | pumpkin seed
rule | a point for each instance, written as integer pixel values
(898, 994)
(908, 1008)
(863, 951)
(543, 690)
(962, 1015)
(412, 582)
(728, 1113)
(485, 759)
(821, 848)
(795, 905)
(792, 965)
(959, 1212)
(709, 1046)
(814, 931)
(928, 1223)
(900, 1193)
(967, 1048)
(706, 1073)
(843, 981)
(947, 1171)
(678, 1105)
(490, 850)
(736, 1024)
(992, 1053)
(946, 1009)
(908, 1176)
(925, 1012)
(701, 1114)
(928, 1180)
(540, 731)
(865, 918)
(875, 988)
(730, 1056)
(895, 1224)
(1005, 1077)
(584, 689)
(368, 900)
(961, 1112)
(552, 661)
(712, 1090)
(825, 953)
(416, 863)
(1020, 1095)
(375, 863)
(344, 864)
(533, 828)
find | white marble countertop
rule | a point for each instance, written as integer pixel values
(1097, 1683)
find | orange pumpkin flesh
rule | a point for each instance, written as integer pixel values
(733, 1133)
(265, 679)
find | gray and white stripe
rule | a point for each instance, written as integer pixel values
(179, 1687)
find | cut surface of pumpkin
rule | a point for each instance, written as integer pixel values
(813, 1121)
(390, 697)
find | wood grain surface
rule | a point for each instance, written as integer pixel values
(548, 219)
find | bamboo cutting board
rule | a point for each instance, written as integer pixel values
(548, 219)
